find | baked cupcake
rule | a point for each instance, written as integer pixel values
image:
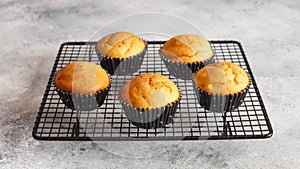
(185, 54)
(150, 100)
(121, 53)
(82, 85)
(221, 86)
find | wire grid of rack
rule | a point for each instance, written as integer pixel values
(56, 122)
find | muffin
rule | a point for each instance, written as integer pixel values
(221, 86)
(82, 85)
(185, 54)
(121, 53)
(150, 100)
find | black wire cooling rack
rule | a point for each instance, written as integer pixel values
(56, 122)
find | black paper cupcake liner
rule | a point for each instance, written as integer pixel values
(218, 102)
(122, 66)
(86, 102)
(150, 118)
(184, 71)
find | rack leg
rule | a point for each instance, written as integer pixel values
(226, 125)
(76, 128)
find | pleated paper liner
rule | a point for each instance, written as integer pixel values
(122, 66)
(184, 71)
(83, 102)
(218, 102)
(150, 118)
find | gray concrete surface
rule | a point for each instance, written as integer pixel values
(30, 34)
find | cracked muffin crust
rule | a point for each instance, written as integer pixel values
(187, 48)
(120, 45)
(150, 91)
(222, 78)
(82, 78)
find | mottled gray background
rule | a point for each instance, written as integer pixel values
(31, 32)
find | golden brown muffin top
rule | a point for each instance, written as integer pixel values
(82, 78)
(222, 78)
(187, 48)
(150, 91)
(120, 45)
